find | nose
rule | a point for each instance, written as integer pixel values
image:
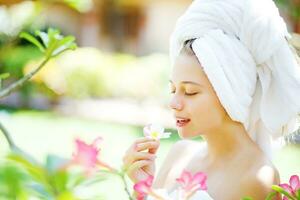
(176, 103)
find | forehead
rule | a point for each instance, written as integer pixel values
(187, 68)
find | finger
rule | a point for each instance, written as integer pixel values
(137, 165)
(133, 147)
(143, 139)
(138, 156)
(153, 150)
(130, 159)
(147, 145)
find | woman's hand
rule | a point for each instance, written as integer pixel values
(139, 159)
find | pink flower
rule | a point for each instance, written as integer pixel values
(293, 187)
(143, 187)
(191, 183)
(86, 155)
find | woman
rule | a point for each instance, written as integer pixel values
(235, 82)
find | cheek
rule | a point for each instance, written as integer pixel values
(206, 113)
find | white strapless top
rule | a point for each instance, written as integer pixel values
(175, 195)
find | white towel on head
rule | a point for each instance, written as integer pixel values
(242, 47)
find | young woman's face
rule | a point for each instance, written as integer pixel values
(194, 103)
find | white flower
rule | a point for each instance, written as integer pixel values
(156, 132)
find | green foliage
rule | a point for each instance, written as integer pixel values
(50, 181)
(14, 59)
(271, 195)
(282, 191)
(292, 7)
(2, 77)
(246, 198)
(37, 172)
(53, 43)
(33, 40)
(80, 5)
(87, 72)
(12, 182)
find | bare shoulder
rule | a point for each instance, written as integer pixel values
(176, 152)
(257, 181)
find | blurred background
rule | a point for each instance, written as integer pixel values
(111, 86)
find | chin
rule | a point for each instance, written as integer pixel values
(183, 134)
(188, 134)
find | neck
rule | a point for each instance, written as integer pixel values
(227, 142)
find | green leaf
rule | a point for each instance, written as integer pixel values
(38, 190)
(298, 194)
(54, 37)
(54, 163)
(66, 195)
(33, 40)
(98, 177)
(54, 42)
(44, 37)
(36, 172)
(64, 44)
(4, 75)
(59, 181)
(76, 179)
(282, 191)
(12, 181)
(246, 198)
(271, 195)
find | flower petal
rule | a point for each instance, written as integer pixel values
(141, 187)
(97, 142)
(144, 186)
(157, 128)
(86, 155)
(199, 179)
(147, 130)
(294, 182)
(149, 180)
(166, 135)
(185, 179)
(286, 187)
(141, 196)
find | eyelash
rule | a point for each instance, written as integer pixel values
(188, 94)
(191, 94)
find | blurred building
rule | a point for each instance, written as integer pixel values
(138, 27)
(132, 26)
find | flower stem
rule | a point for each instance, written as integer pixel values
(7, 136)
(14, 148)
(122, 175)
(6, 91)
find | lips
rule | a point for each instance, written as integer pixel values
(182, 121)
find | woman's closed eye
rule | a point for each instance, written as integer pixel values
(186, 93)
(190, 93)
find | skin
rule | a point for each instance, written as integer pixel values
(234, 164)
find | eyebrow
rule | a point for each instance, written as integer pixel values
(187, 82)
